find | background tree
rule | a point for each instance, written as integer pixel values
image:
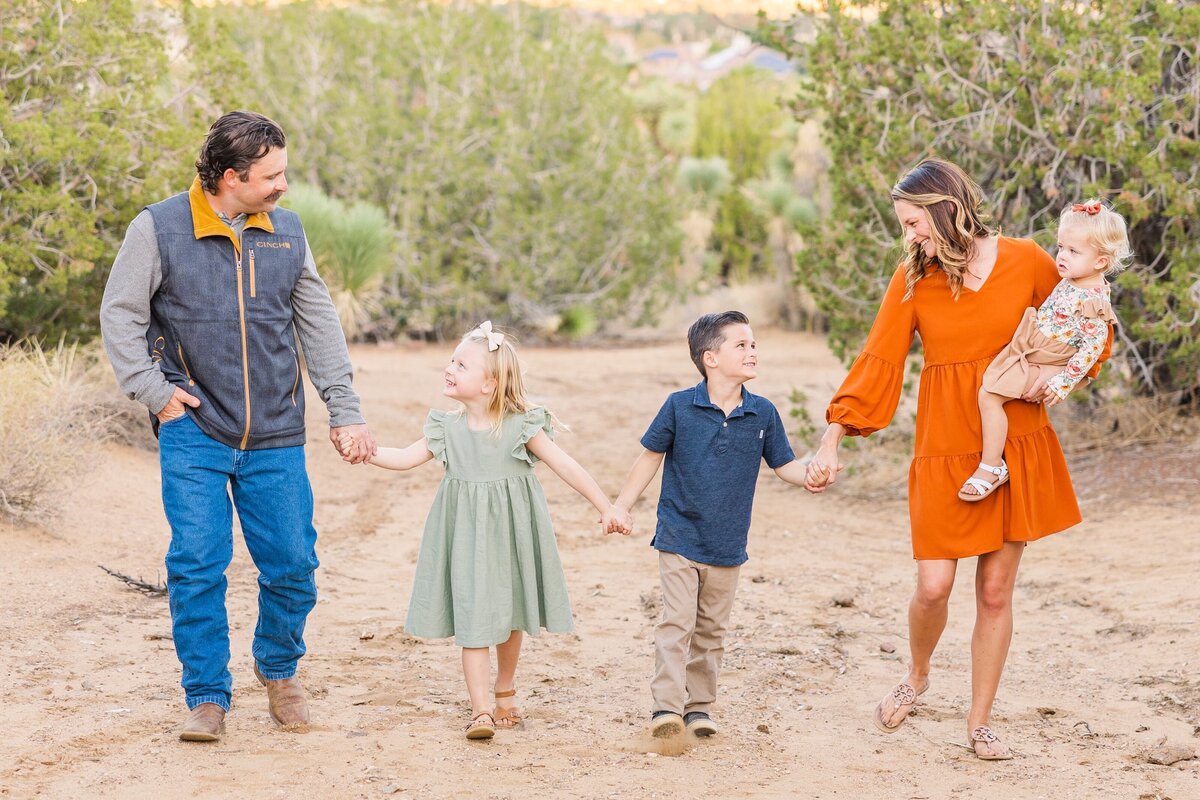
(90, 130)
(501, 145)
(742, 120)
(1044, 104)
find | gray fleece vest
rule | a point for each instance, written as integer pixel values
(223, 331)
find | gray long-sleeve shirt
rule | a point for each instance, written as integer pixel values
(125, 317)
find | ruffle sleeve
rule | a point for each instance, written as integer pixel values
(867, 399)
(534, 420)
(1097, 308)
(435, 435)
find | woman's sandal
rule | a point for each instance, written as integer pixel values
(901, 699)
(988, 746)
(481, 729)
(984, 487)
(507, 718)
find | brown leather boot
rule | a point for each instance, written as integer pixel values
(205, 723)
(286, 699)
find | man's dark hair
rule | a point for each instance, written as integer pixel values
(235, 141)
(708, 333)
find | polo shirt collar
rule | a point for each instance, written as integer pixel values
(701, 398)
(205, 221)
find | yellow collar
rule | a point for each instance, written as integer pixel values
(205, 221)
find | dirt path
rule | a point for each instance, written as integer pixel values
(1105, 661)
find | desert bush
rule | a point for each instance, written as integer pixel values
(501, 144)
(93, 126)
(1044, 104)
(56, 406)
(352, 246)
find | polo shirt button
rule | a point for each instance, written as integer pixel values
(724, 424)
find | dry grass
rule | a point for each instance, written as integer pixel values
(56, 406)
(1118, 421)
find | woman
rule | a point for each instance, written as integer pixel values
(963, 288)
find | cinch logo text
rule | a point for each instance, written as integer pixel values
(276, 245)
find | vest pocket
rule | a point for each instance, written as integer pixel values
(253, 282)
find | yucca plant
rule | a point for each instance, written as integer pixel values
(352, 245)
(707, 176)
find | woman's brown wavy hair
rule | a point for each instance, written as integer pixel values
(951, 199)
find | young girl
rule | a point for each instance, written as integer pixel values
(489, 569)
(1069, 330)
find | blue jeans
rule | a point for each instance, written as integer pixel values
(274, 503)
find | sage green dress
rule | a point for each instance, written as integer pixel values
(489, 564)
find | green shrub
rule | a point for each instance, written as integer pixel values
(501, 143)
(352, 247)
(1043, 104)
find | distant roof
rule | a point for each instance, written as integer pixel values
(775, 62)
(661, 54)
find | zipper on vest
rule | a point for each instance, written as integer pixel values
(186, 371)
(253, 283)
(245, 359)
(296, 382)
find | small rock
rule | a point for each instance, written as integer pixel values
(367, 635)
(1168, 754)
(843, 601)
(763, 728)
(393, 789)
(1140, 728)
(1046, 711)
(759, 579)
(887, 648)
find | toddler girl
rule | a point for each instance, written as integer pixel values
(1069, 331)
(489, 569)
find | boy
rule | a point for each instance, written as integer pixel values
(712, 437)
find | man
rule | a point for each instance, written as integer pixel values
(199, 317)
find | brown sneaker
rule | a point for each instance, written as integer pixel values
(286, 699)
(205, 723)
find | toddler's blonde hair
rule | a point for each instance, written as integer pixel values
(1106, 230)
(504, 366)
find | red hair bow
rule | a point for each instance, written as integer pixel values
(1088, 208)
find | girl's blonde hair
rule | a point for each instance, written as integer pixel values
(1105, 229)
(504, 367)
(952, 200)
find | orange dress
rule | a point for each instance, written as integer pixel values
(960, 339)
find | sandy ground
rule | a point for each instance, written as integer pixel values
(1105, 661)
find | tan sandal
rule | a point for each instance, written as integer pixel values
(900, 700)
(482, 729)
(988, 746)
(507, 718)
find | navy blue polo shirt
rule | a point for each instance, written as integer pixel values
(710, 472)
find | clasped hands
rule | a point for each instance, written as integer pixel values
(617, 520)
(354, 443)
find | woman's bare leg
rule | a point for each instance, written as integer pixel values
(927, 612)
(995, 577)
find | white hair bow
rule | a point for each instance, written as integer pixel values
(494, 338)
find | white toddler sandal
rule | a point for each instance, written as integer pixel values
(984, 487)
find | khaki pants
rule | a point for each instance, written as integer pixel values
(690, 639)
